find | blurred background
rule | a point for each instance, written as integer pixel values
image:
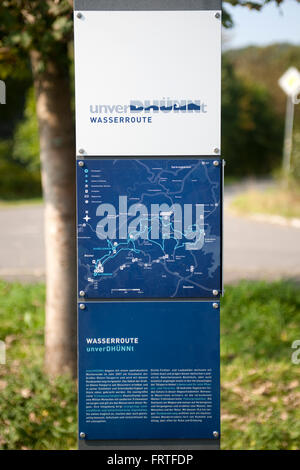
(261, 307)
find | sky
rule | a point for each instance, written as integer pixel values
(271, 24)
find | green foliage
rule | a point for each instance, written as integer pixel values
(22, 310)
(259, 320)
(26, 147)
(260, 392)
(251, 132)
(10, 115)
(35, 411)
(227, 20)
(16, 181)
(264, 66)
(19, 157)
(19, 148)
(35, 25)
(260, 405)
(282, 200)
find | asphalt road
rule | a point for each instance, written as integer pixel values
(252, 249)
(255, 249)
(22, 242)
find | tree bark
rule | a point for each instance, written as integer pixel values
(57, 152)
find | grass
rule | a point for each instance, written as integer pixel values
(229, 180)
(260, 385)
(35, 412)
(273, 201)
(20, 202)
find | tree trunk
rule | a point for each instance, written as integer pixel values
(57, 151)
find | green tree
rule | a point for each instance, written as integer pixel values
(263, 66)
(19, 147)
(39, 33)
(257, 5)
(251, 131)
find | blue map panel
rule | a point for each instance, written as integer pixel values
(149, 228)
(149, 370)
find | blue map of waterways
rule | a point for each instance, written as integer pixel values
(149, 228)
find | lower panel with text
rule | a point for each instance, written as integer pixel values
(149, 370)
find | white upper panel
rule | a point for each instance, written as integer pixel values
(128, 61)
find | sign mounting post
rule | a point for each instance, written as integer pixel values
(290, 84)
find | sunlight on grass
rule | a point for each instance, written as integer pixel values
(273, 201)
(260, 387)
(20, 202)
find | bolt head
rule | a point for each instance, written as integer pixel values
(82, 293)
(215, 292)
(82, 435)
(215, 305)
(215, 434)
(81, 151)
(80, 163)
(81, 306)
(217, 15)
(216, 150)
(79, 15)
(216, 163)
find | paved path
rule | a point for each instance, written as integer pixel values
(252, 249)
(22, 242)
(255, 249)
(259, 250)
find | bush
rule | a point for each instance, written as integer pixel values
(26, 148)
(251, 131)
(19, 157)
(260, 386)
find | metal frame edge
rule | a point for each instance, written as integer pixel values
(147, 5)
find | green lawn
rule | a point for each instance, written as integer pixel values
(260, 385)
(35, 413)
(20, 202)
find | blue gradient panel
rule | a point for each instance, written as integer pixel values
(149, 370)
(149, 228)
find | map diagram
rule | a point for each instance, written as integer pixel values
(149, 228)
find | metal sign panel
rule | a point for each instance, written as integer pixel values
(149, 370)
(149, 222)
(148, 82)
(149, 228)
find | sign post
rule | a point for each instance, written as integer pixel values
(290, 84)
(149, 218)
(2, 92)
